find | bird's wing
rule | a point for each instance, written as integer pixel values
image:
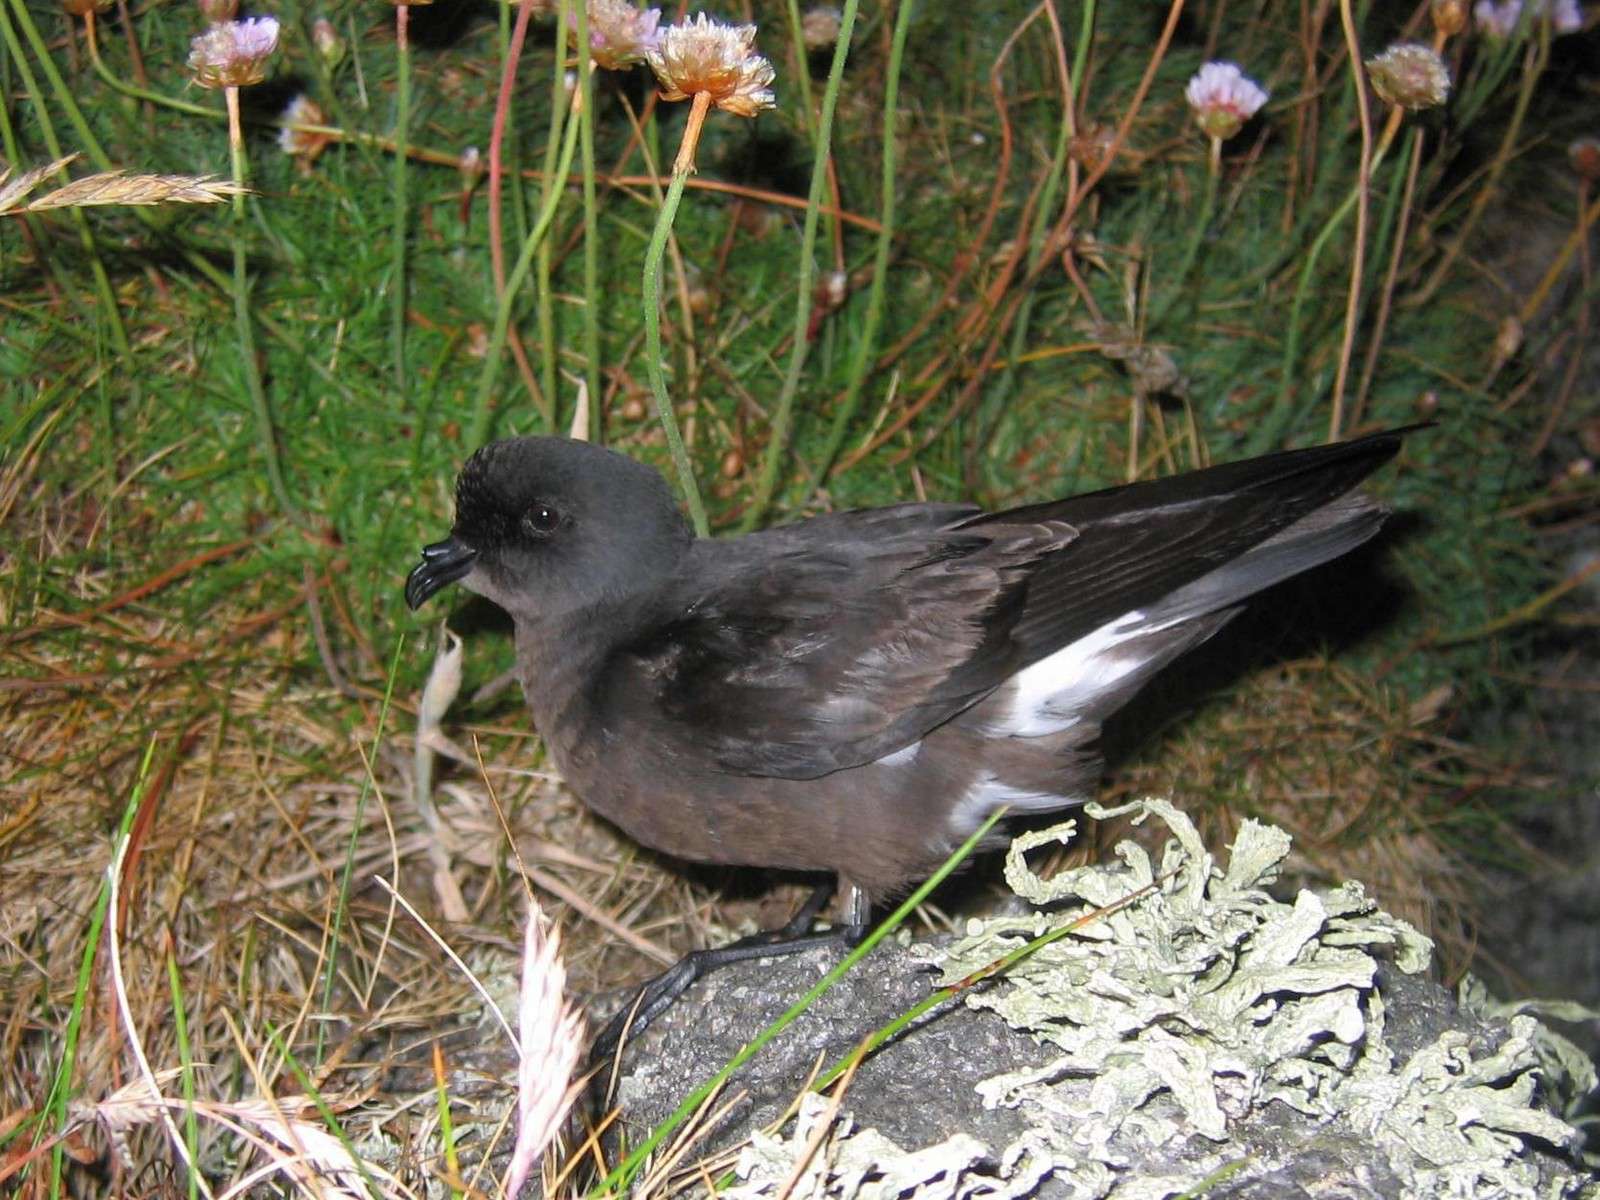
(841, 640)
(1197, 542)
(831, 643)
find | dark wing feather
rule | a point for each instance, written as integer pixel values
(833, 642)
(1141, 542)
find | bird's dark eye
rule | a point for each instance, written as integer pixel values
(541, 519)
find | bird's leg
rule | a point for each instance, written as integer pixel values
(656, 996)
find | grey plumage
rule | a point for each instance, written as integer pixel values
(854, 693)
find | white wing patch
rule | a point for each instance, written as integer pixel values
(1050, 695)
(902, 757)
(988, 794)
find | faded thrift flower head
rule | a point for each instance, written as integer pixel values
(819, 28)
(1449, 16)
(1223, 98)
(1410, 75)
(234, 53)
(720, 60)
(1584, 155)
(217, 11)
(327, 41)
(620, 34)
(301, 144)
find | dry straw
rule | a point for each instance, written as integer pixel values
(108, 187)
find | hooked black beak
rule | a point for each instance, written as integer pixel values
(442, 563)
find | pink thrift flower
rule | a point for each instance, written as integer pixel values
(1502, 18)
(1223, 98)
(1565, 15)
(620, 34)
(233, 53)
(1497, 18)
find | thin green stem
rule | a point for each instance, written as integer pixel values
(651, 287)
(544, 294)
(778, 442)
(265, 437)
(482, 412)
(111, 80)
(1061, 155)
(1080, 55)
(802, 69)
(591, 227)
(866, 351)
(1396, 222)
(180, 1030)
(1358, 257)
(402, 120)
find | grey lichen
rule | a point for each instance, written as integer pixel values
(1189, 1011)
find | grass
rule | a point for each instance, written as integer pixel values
(1016, 312)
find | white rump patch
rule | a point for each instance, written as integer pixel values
(903, 756)
(988, 794)
(1050, 695)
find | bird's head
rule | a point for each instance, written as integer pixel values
(546, 525)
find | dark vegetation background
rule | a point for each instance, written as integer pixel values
(238, 678)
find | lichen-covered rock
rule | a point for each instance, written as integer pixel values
(1174, 1027)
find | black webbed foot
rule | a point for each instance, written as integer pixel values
(657, 995)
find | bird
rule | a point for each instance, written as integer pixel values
(855, 693)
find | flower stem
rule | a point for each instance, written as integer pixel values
(402, 118)
(698, 108)
(241, 314)
(1358, 256)
(652, 320)
(482, 414)
(1270, 431)
(584, 100)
